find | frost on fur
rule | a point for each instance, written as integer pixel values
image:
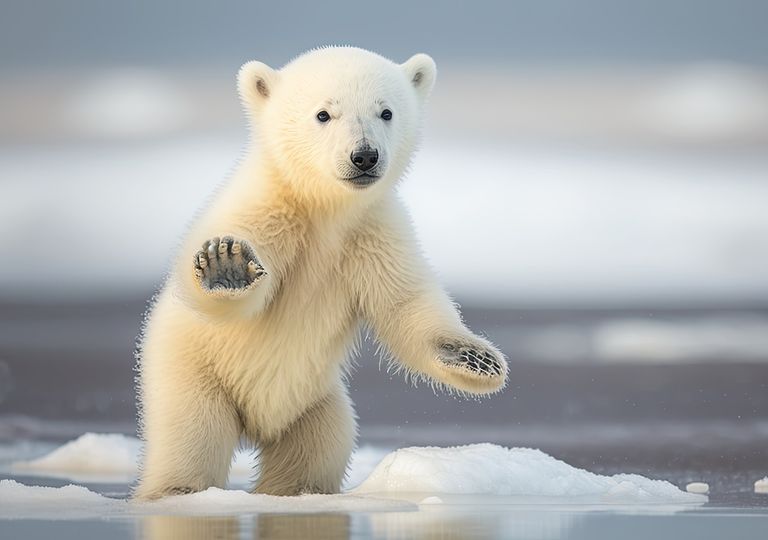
(250, 337)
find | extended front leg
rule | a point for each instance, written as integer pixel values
(424, 334)
(413, 317)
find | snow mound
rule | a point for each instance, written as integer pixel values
(19, 501)
(91, 453)
(488, 469)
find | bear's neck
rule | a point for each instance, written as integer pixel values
(261, 187)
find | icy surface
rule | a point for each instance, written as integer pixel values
(19, 501)
(110, 457)
(402, 480)
(487, 469)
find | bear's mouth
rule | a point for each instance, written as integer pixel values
(362, 180)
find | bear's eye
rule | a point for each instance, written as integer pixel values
(323, 116)
(386, 114)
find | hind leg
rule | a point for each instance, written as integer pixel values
(190, 430)
(311, 456)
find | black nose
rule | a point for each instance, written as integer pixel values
(364, 158)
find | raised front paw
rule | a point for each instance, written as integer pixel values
(476, 367)
(227, 265)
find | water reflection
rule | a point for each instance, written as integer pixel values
(285, 526)
(446, 523)
(443, 523)
(263, 526)
(189, 528)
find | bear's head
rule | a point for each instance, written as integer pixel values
(337, 121)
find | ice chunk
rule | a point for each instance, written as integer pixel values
(697, 487)
(761, 486)
(488, 469)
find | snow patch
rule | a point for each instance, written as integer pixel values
(19, 501)
(222, 501)
(91, 453)
(488, 469)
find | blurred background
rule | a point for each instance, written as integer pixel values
(592, 188)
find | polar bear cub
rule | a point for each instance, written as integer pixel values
(250, 336)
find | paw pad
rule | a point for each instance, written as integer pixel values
(475, 358)
(227, 264)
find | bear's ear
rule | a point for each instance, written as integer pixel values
(421, 72)
(255, 83)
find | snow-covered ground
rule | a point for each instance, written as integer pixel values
(377, 482)
(501, 222)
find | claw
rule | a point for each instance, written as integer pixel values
(256, 271)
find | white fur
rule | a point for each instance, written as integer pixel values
(267, 363)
